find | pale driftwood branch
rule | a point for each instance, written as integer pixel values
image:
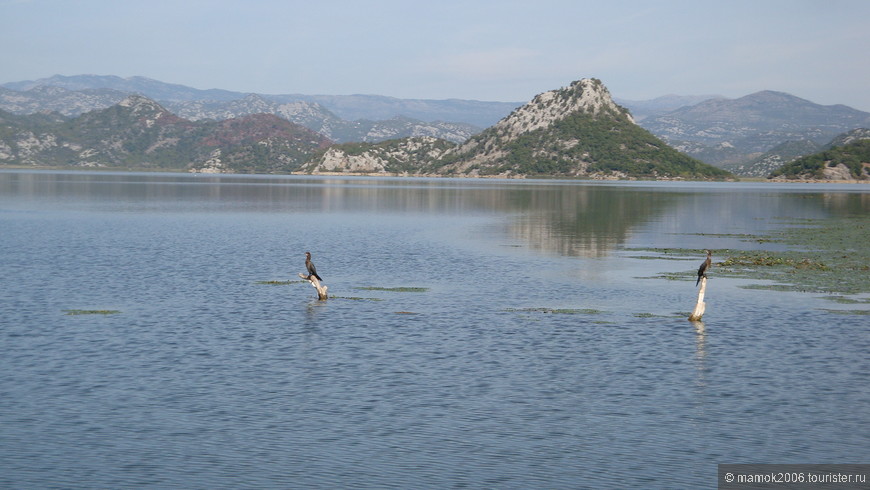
(321, 288)
(700, 306)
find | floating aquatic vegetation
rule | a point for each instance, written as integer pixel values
(653, 315)
(742, 236)
(394, 290)
(775, 287)
(356, 298)
(847, 301)
(767, 259)
(91, 312)
(829, 255)
(847, 312)
(563, 311)
(665, 253)
(668, 276)
(655, 257)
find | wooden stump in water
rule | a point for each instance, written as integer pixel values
(700, 306)
(321, 288)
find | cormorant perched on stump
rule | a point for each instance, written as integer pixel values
(702, 271)
(312, 271)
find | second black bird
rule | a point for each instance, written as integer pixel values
(702, 271)
(312, 271)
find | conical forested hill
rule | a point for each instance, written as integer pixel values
(577, 131)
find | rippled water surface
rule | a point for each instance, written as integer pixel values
(480, 334)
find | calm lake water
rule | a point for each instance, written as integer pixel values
(540, 352)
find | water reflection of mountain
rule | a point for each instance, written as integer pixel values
(584, 220)
(570, 219)
(592, 221)
(731, 216)
(567, 218)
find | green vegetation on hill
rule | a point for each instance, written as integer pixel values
(581, 143)
(617, 145)
(588, 134)
(855, 156)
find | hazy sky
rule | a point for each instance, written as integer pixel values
(499, 50)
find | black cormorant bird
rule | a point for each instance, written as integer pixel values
(702, 271)
(312, 271)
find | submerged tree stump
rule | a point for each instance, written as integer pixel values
(700, 306)
(321, 288)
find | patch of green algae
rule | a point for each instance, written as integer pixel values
(830, 256)
(562, 311)
(91, 312)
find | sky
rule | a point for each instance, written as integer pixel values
(501, 50)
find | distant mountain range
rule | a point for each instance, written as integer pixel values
(138, 133)
(642, 109)
(733, 132)
(349, 107)
(750, 135)
(341, 118)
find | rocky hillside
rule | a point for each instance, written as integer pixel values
(737, 131)
(59, 100)
(316, 117)
(405, 156)
(577, 131)
(849, 137)
(847, 157)
(312, 116)
(139, 133)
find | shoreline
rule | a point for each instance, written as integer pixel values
(404, 174)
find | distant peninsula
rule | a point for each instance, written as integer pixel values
(847, 158)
